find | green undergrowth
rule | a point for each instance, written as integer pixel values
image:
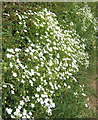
(49, 60)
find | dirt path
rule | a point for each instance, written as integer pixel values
(93, 98)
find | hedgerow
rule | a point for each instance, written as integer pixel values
(40, 72)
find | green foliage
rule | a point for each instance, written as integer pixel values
(44, 51)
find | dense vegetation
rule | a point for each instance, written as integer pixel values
(48, 50)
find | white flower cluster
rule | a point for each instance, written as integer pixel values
(48, 60)
(87, 17)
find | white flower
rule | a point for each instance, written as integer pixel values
(25, 31)
(22, 37)
(23, 117)
(41, 38)
(22, 81)
(42, 24)
(31, 82)
(14, 74)
(35, 57)
(27, 99)
(21, 102)
(6, 14)
(42, 102)
(43, 95)
(9, 55)
(48, 40)
(40, 54)
(33, 79)
(37, 33)
(88, 99)
(22, 66)
(35, 23)
(55, 48)
(38, 74)
(83, 85)
(20, 23)
(45, 82)
(25, 13)
(38, 99)
(10, 50)
(24, 112)
(11, 65)
(25, 26)
(12, 116)
(32, 72)
(28, 116)
(32, 44)
(19, 17)
(30, 113)
(51, 92)
(9, 110)
(47, 104)
(69, 86)
(30, 48)
(56, 87)
(51, 85)
(23, 76)
(17, 54)
(30, 10)
(32, 105)
(20, 115)
(53, 105)
(16, 113)
(36, 95)
(50, 73)
(86, 105)
(84, 94)
(50, 63)
(37, 67)
(58, 56)
(19, 107)
(27, 50)
(49, 111)
(17, 49)
(12, 92)
(80, 86)
(18, 61)
(31, 54)
(5, 86)
(75, 93)
(18, 110)
(11, 86)
(46, 100)
(17, 31)
(59, 86)
(50, 49)
(75, 79)
(38, 89)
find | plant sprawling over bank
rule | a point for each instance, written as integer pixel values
(40, 72)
